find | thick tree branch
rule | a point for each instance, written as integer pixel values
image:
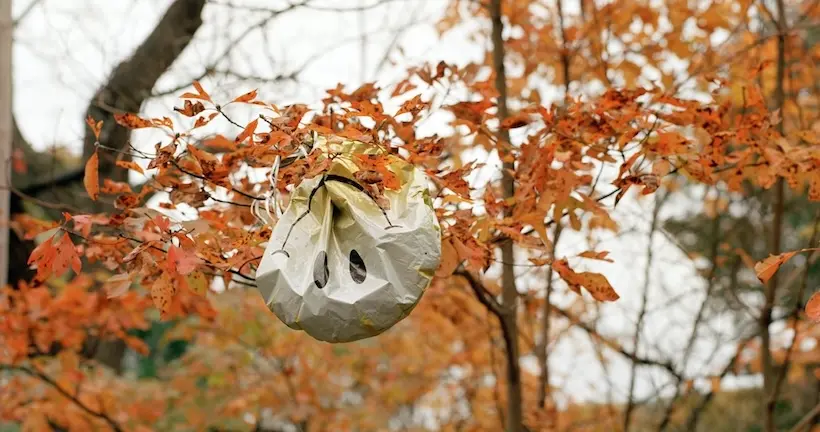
(132, 81)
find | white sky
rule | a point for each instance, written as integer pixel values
(64, 50)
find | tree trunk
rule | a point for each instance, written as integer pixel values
(6, 28)
(128, 87)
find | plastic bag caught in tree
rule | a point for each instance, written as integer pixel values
(339, 265)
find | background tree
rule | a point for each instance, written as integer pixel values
(540, 139)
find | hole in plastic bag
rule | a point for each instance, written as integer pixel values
(358, 271)
(321, 272)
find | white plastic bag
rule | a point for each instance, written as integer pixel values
(341, 267)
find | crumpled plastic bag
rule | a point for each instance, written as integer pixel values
(340, 266)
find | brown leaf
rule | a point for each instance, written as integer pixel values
(118, 285)
(768, 267)
(96, 127)
(596, 255)
(449, 259)
(247, 97)
(181, 261)
(132, 121)
(190, 109)
(517, 121)
(202, 121)
(412, 106)
(201, 93)
(247, 132)
(813, 307)
(162, 293)
(219, 142)
(598, 286)
(130, 165)
(91, 180)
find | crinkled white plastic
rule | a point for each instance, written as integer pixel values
(340, 267)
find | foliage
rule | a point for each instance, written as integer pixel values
(102, 275)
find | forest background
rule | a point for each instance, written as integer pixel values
(620, 186)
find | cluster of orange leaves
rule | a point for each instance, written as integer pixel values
(642, 130)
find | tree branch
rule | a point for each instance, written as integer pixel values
(46, 379)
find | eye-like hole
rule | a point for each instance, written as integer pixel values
(321, 273)
(358, 271)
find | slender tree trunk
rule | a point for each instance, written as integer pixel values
(509, 290)
(769, 372)
(543, 354)
(6, 30)
(636, 337)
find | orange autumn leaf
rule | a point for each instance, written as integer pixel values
(162, 294)
(132, 121)
(595, 283)
(66, 257)
(518, 120)
(602, 256)
(130, 165)
(91, 179)
(200, 94)
(204, 120)
(190, 109)
(768, 267)
(375, 169)
(117, 285)
(449, 259)
(247, 132)
(43, 257)
(813, 307)
(96, 127)
(181, 261)
(247, 97)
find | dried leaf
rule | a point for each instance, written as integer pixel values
(91, 179)
(449, 259)
(181, 261)
(201, 93)
(96, 127)
(247, 132)
(247, 97)
(190, 109)
(768, 267)
(519, 120)
(130, 165)
(197, 282)
(813, 307)
(117, 285)
(132, 121)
